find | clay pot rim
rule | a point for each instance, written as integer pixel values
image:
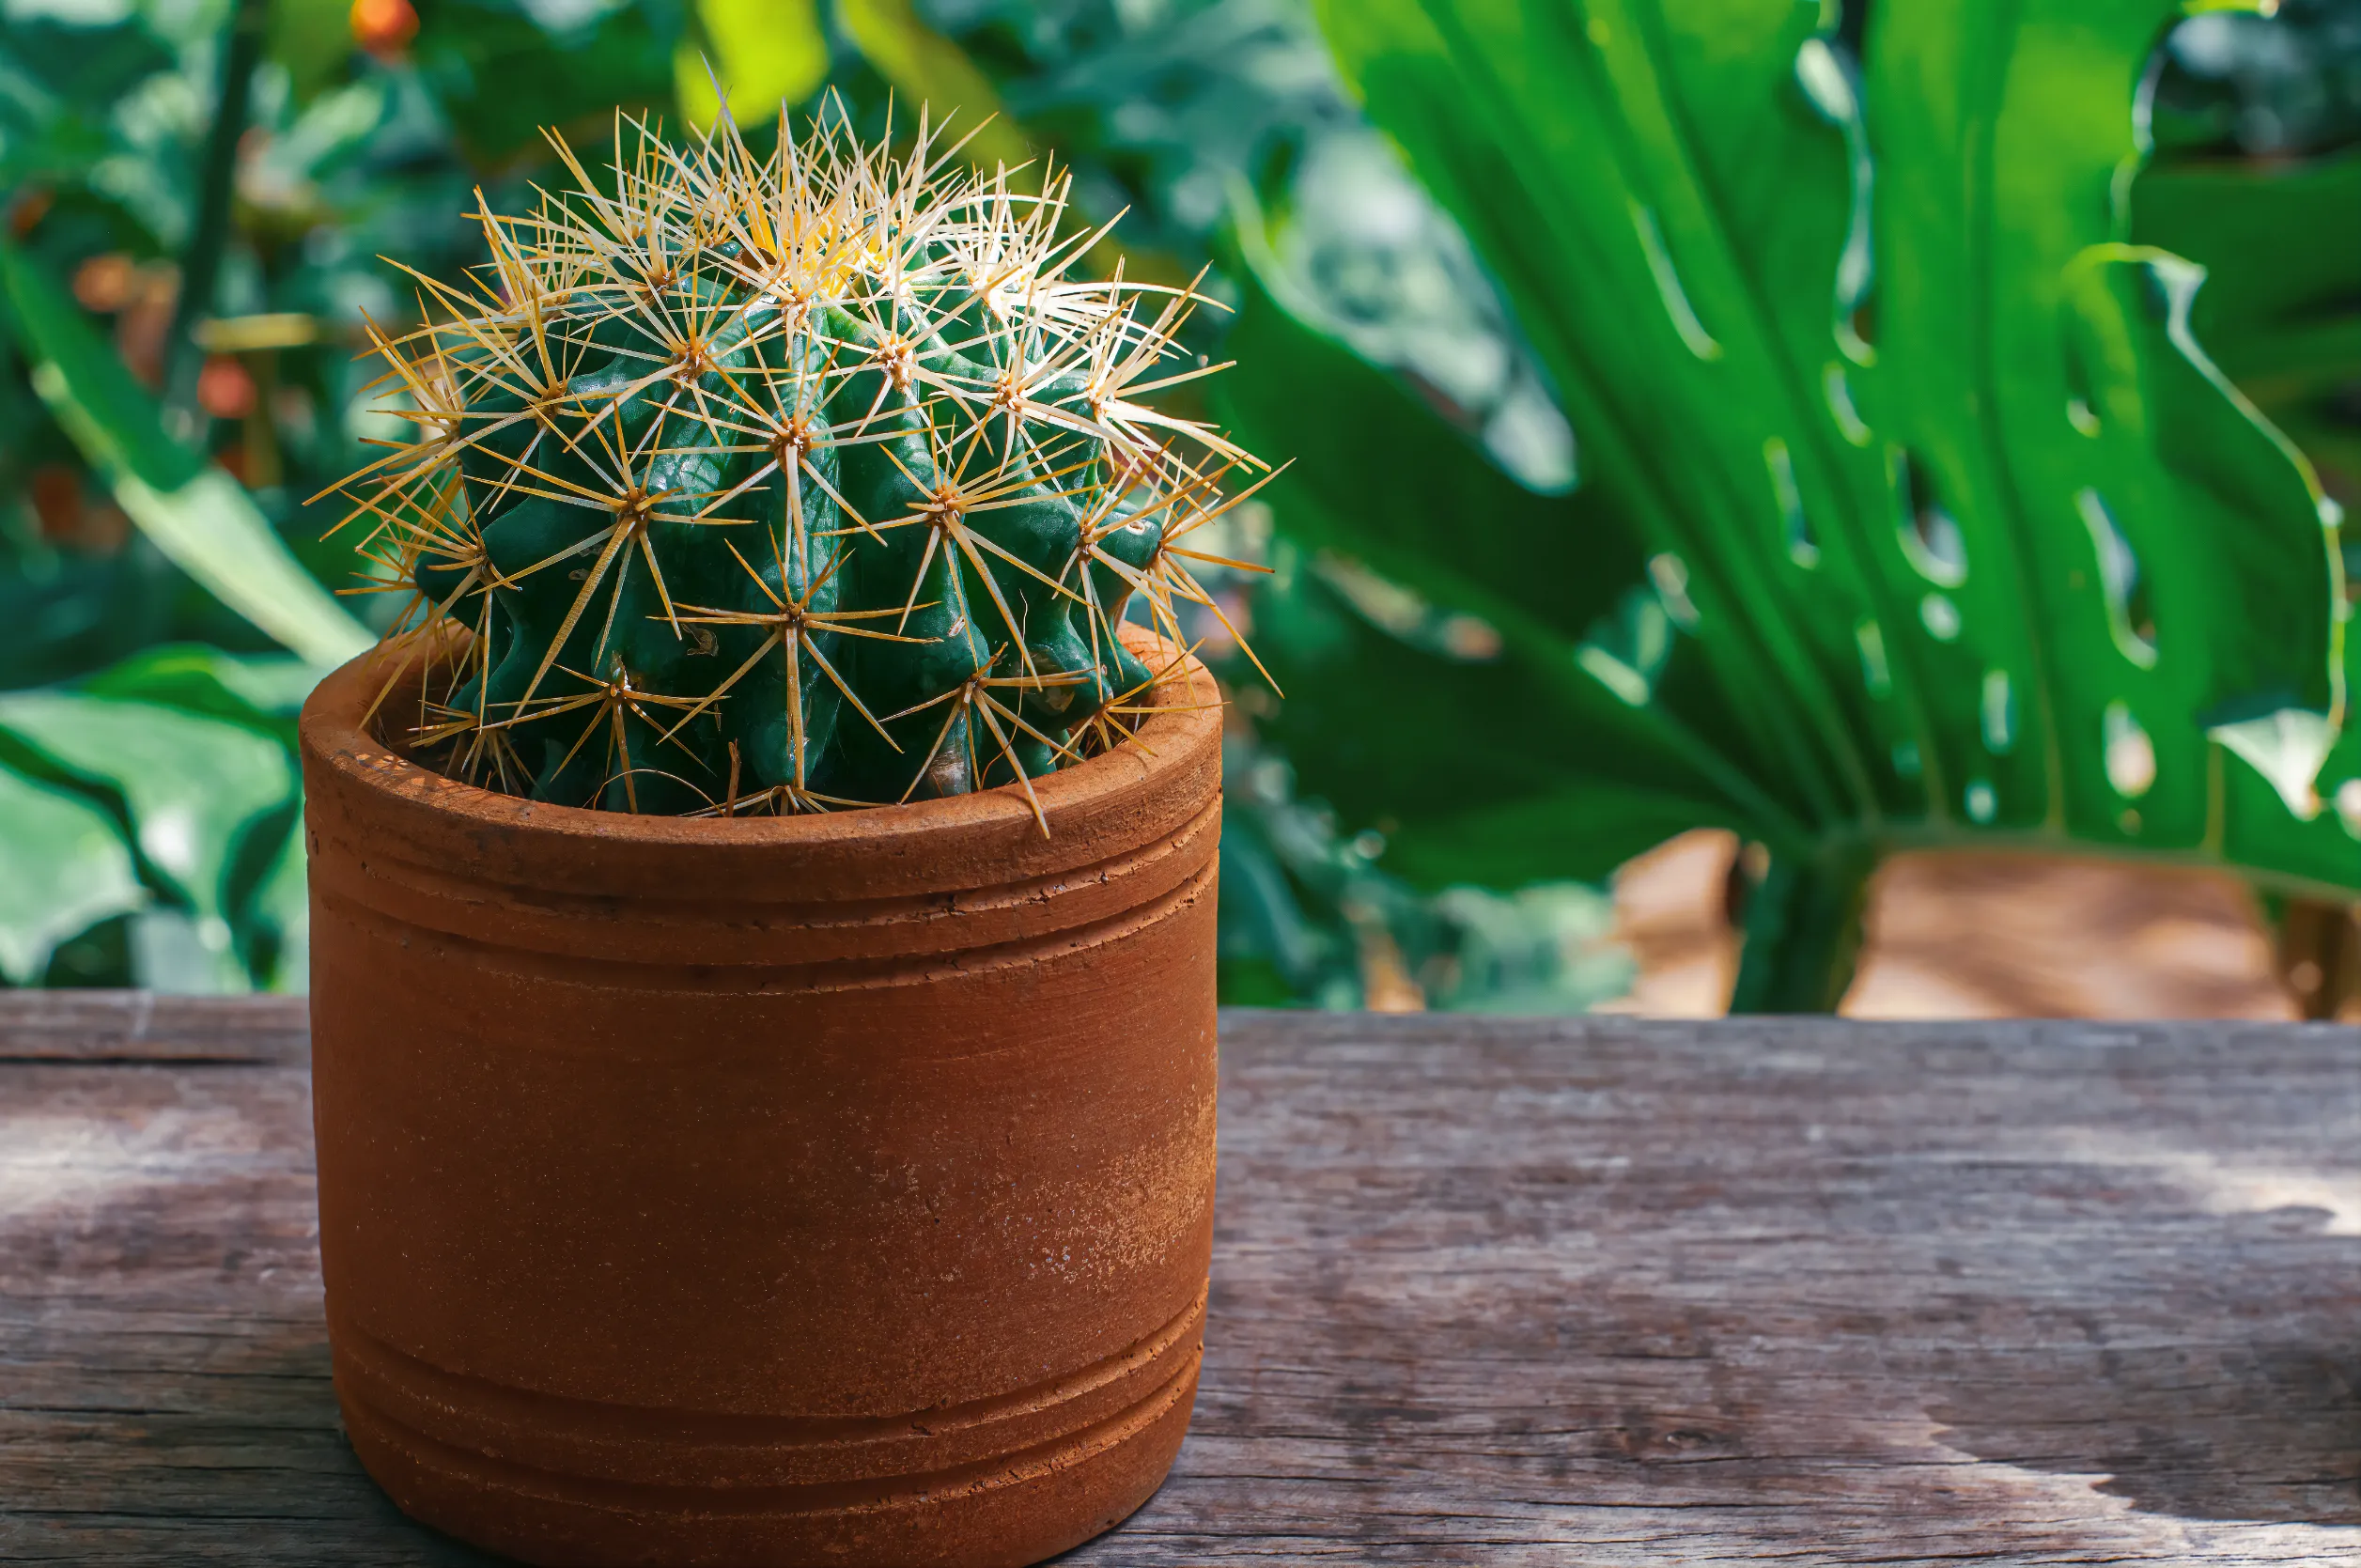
(1189, 715)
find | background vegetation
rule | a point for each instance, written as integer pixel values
(1516, 647)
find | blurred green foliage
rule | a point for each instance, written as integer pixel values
(1581, 547)
(1913, 510)
(157, 458)
(1185, 116)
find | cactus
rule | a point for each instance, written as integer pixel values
(790, 484)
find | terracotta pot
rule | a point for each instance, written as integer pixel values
(825, 1190)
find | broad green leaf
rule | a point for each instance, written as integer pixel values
(193, 792)
(268, 903)
(261, 693)
(1527, 765)
(1975, 541)
(212, 708)
(2281, 311)
(63, 868)
(196, 514)
(767, 54)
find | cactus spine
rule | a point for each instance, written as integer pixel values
(790, 483)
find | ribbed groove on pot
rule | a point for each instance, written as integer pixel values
(372, 1427)
(712, 1124)
(588, 1439)
(753, 929)
(702, 974)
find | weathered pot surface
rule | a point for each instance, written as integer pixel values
(764, 1191)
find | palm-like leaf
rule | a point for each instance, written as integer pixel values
(1944, 526)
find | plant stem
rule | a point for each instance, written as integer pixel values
(1803, 930)
(201, 263)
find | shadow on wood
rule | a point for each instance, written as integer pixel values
(1521, 1293)
(2230, 1432)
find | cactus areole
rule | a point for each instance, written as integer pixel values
(787, 484)
(709, 1173)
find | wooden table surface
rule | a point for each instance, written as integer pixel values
(1485, 1291)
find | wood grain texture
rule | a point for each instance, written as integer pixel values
(1489, 1292)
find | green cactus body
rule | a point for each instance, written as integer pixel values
(795, 484)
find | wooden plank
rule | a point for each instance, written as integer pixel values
(163, 1369)
(1521, 1293)
(135, 1028)
(1487, 1291)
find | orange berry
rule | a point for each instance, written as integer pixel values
(383, 27)
(106, 282)
(223, 389)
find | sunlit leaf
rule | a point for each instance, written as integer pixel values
(261, 693)
(193, 792)
(767, 54)
(63, 868)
